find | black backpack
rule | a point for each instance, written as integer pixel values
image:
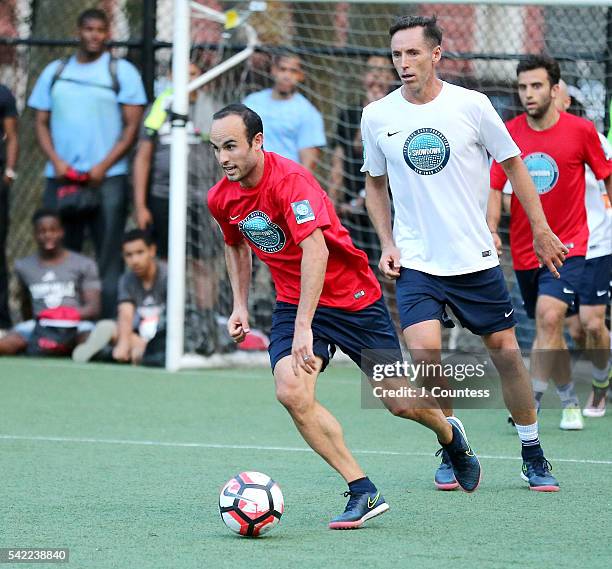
(112, 69)
(52, 340)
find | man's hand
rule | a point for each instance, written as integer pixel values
(137, 353)
(389, 264)
(302, 355)
(549, 250)
(497, 242)
(97, 175)
(238, 325)
(121, 353)
(60, 168)
(144, 218)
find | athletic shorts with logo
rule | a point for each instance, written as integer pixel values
(594, 287)
(480, 300)
(537, 282)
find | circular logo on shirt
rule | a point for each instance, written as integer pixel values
(302, 209)
(262, 232)
(426, 151)
(543, 171)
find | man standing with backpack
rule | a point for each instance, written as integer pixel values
(89, 108)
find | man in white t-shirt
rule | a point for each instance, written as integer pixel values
(431, 138)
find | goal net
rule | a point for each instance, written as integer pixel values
(344, 50)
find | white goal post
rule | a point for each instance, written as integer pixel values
(175, 304)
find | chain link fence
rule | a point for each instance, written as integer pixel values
(482, 45)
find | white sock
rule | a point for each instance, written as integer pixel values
(528, 434)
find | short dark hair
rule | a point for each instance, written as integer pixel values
(45, 212)
(252, 121)
(137, 235)
(92, 14)
(280, 53)
(431, 31)
(545, 62)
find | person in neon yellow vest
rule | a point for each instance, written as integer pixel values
(152, 190)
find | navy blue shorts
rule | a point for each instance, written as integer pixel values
(537, 282)
(595, 284)
(353, 332)
(480, 300)
(596, 280)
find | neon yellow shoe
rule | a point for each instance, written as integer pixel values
(571, 419)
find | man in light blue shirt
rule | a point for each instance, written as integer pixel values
(293, 126)
(89, 108)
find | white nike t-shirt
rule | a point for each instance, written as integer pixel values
(436, 158)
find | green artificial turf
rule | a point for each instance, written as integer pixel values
(123, 466)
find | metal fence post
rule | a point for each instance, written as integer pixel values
(149, 31)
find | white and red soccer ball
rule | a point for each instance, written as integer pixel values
(251, 504)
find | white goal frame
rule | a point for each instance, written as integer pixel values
(175, 303)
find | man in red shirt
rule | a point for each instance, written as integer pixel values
(327, 296)
(555, 147)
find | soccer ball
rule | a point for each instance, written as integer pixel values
(251, 504)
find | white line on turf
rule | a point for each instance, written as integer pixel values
(259, 447)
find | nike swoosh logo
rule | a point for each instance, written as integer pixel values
(601, 292)
(234, 217)
(506, 315)
(372, 503)
(393, 133)
(567, 291)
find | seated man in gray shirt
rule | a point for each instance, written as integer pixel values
(141, 305)
(52, 278)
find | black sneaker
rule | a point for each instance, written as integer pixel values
(466, 465)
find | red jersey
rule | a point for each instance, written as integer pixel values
(275, 216)
(555, 158)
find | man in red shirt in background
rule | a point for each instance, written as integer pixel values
(555, 147)
(327, 296)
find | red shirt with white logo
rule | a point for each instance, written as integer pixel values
(275, 216)
(555, 158)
